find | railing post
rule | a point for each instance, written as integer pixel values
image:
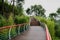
(29, 21)
(9, 33)
(24, 27)
(27, 27)
(18, 30)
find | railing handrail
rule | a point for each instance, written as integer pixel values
(4, 27)
(48, 36)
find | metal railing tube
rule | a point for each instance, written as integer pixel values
(10, 33)
(18, 30)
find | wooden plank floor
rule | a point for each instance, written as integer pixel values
(34, 22)
(34, 33)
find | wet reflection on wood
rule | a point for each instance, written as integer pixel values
(34, 33)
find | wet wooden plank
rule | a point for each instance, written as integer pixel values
(34, 22)
(34, 33)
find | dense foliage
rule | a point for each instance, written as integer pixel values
(57, 28)
(53, 26)
(2, 21)
(8, 8)
(8, 17)
(49, 23)
(21, 19)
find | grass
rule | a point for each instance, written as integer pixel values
(51, 26)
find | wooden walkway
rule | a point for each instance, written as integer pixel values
(34, 22)
(36, 32)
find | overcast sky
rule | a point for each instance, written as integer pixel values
(49, 5)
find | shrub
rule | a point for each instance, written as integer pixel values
(21, 19)
(56, 38)
(13, 32)
(10, 20)
(4, 34)
(2, 21)
(6, 22)
(57, 29)
(50, 24)
(41, 19)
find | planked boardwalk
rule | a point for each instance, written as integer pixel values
(34, 22)
(34, 33)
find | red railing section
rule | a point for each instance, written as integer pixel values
(10, 27)
(5, 27)
(48, 36)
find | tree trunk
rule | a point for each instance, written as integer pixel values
(2, 7)
(13, 6)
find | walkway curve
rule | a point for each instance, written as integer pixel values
(34, 33)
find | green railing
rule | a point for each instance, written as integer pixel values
(8, 32)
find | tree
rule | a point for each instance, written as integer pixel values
(28, 11)
(52, 15)
(19, 9)
(2, 7)
(19, 3)
(38, 9)
(7, 9)
(20, 6)
(6, 1)
(58, 11)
